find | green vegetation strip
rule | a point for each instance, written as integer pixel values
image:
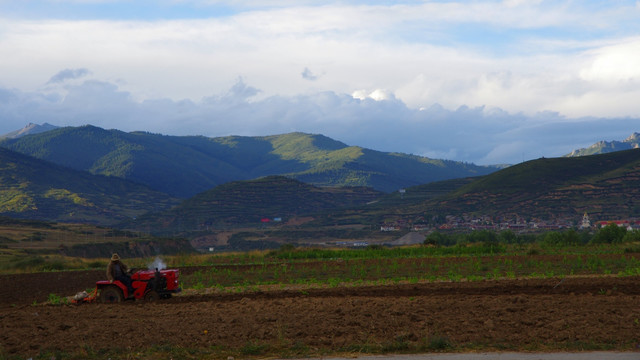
(361, 271)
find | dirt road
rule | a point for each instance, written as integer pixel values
(599, 355)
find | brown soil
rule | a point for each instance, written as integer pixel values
(509, 314)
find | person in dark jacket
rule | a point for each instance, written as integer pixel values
(117, 270)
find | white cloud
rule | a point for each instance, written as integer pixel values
(181, 75)
(380, 122)
(377, 95)
(68, 74)
(514, 3)
(380, 95)
(614, 63)
(356, 46)
(309, 75)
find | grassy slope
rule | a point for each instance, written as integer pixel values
(186, 165)
(607, 184)
(36, 189)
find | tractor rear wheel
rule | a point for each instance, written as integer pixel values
(152, 296)
(110, 294)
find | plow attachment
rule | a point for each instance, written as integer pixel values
(84, 297)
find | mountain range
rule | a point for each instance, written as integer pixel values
(602, 147)
(88, 174)
(183, 166)
(30, 129)
(553, 191)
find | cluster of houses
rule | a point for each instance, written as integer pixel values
(518, 224)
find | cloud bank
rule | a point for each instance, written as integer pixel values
(377, 120)
(487, 81)
(576, 58)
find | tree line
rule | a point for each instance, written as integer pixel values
(610, 234)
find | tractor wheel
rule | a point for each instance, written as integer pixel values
(151, 296)
(110, 294)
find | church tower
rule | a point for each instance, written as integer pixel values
(586, 223)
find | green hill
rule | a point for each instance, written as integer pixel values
(247, 203)
(606, 185)
(35, 189)
(409, 204)
(186, 165)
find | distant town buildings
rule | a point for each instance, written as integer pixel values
(513, 223)
(389, 228)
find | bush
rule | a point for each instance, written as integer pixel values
(440, 239)
(632, 250)
(286, 247)
(97, 265)
(438, 343)
(254, 348)
(55, 265)
(610, 234)
(569, 237)
(631, 236)
(26, 263)
(508, 237)
(482, 236)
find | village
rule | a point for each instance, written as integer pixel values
(514, 223)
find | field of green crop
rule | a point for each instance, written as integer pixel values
(467, 257)
(375, 266)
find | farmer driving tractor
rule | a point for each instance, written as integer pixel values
(149, 285)
(117, 270)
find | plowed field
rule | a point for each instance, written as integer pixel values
(576, 313)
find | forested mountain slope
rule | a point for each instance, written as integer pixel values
(186, 165)
(31, 188)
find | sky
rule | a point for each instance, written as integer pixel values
(482, 81)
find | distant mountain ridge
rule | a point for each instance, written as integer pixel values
(607, 186)
(30, 129)
(603, 147)
(558, 190)
(186, 165)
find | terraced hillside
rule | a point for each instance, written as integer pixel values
(247, 203)
(607, 186)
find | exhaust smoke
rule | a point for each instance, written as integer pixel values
(158, 263)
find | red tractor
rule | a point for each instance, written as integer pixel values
(147, 284)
